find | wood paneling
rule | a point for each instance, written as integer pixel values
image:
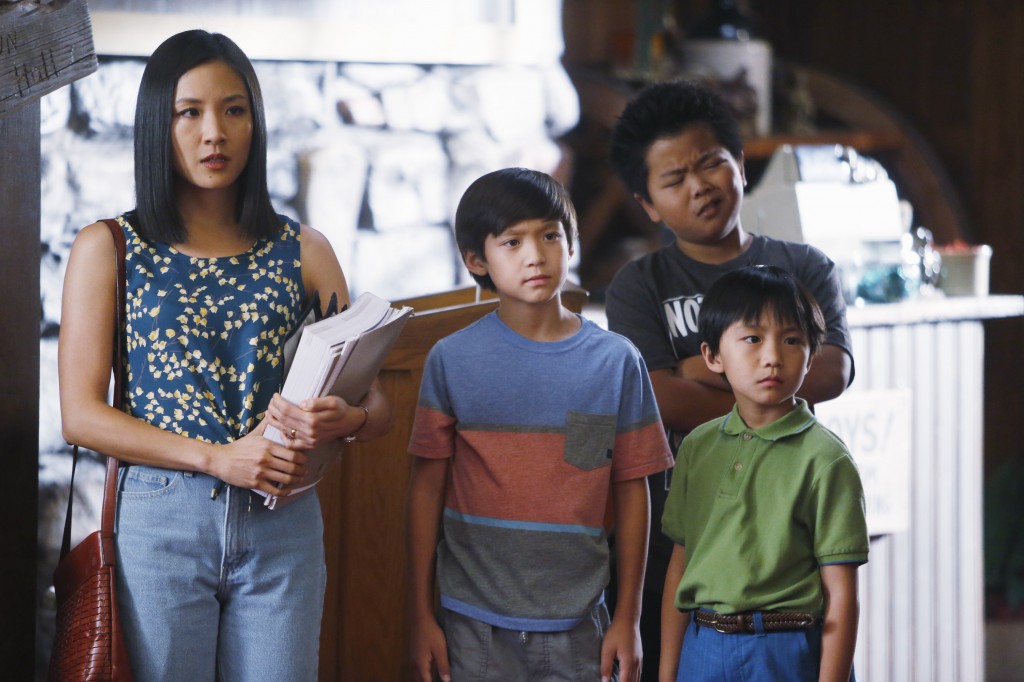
(951, 67)
(995, 164)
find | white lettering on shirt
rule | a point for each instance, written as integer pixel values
(681, 315)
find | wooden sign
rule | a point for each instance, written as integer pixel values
(43, 46)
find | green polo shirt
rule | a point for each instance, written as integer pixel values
(760, 511)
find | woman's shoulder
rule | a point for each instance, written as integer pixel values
(93, 244)
(309, 235)
(314, 245)
(321, 270)
(94, 236)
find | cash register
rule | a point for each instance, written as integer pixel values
(843, 203)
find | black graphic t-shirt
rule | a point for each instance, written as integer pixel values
(655, 300)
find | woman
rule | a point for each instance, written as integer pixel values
(212, 584)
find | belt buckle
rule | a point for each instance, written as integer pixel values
(719, 625)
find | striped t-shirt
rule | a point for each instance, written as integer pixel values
(537, 433)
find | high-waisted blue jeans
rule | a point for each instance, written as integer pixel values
(220, 588)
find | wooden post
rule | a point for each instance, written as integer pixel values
(19, 367)
(42, 47)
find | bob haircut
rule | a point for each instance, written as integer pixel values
(746, 294)
(662, 110)
(499, 200)
(156, 214)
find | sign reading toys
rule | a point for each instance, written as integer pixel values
(875, 425)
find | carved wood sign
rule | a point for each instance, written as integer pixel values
(44, 45)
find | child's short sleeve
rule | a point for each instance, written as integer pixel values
(840, 533)
(673, 521)
(433, 429)
(641, 447)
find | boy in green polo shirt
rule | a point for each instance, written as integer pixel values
(766, 506)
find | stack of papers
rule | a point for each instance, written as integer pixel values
(339, 355)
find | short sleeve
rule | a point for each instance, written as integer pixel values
(840, 527)
(673, 521)
(641, 447)
(634, 311)
(433, 429)
(819, 274)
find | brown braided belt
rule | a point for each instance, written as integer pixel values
(738, 623)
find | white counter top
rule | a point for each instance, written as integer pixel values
(936, 309)
(915, 311)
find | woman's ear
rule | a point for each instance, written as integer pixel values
(474, 263)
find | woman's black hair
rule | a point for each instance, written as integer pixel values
(499, 200)
(746, 294)
(156, 214)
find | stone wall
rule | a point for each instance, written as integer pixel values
(374, 156)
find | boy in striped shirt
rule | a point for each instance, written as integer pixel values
(529, 423)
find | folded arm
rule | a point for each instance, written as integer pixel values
(691, 394)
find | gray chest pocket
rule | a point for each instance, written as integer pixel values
(589, 439)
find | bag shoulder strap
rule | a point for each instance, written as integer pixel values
(110, 484)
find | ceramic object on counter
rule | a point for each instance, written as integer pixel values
(965, 271)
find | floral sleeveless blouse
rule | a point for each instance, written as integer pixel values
(205, 335)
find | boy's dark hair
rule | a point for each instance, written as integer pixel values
(499, 200)
(662, 110)
(744, 295)
(156, 214)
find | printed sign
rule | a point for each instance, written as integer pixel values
(875, 425)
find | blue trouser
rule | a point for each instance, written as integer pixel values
(218, 588)
(710, 656)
